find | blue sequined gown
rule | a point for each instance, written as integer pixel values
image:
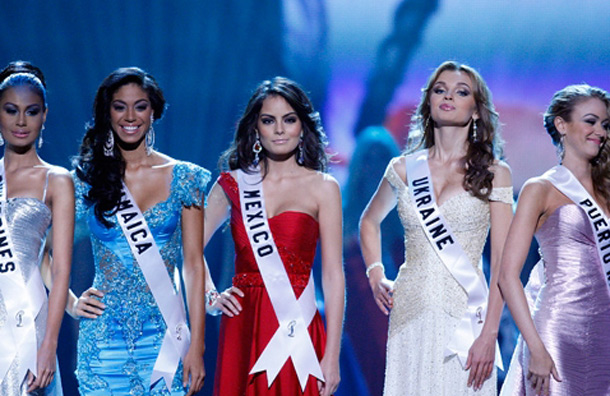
(117, 351)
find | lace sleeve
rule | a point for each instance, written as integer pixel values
(392, 177)
(502, 194)
(81, 207)
(192, 181)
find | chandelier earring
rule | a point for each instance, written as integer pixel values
(150, 137)
(40, 141)
(109, 144)
(257, 147)
(475, 135)
(301, 155)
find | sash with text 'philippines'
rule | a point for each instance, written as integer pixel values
(451, 254)
(177, 337)
(23, 300)
(564, 181)
(291, 339)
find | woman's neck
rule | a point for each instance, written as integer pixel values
(22, 158)
(581, 168)
(279, 169)
(449, 144)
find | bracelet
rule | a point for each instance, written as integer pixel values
(210, 299)
(373, 266)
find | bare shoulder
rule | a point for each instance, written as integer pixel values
(59, 176)
(324, 184)
(502, 174)
(536, 188)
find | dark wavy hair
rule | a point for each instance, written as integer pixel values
(104, 174)
(20, 73)
(240, 155)
(481, 152)
(562, 105)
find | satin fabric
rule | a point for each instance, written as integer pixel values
(571, 311)
(244, 337)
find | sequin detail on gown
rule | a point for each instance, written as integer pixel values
(244, 337)
(429, 302)
(117, 351)
(571, 312)
(28, 221)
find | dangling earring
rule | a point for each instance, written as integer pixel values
(560, 148)
(109, 144)
(1, 139)
(257, 148)
(150, 137)
(40, 137)
(301, 156)
(474, 130)
(426, 125)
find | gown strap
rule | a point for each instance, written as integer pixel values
(46, 185)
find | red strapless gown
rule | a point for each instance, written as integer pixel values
(244, 337)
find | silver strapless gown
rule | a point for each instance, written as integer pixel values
(28, 221)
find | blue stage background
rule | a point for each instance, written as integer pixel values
(363, 63)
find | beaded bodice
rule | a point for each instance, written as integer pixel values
(427, 283)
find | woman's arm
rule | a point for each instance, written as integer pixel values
(194, 279)
(61, 199)
(531, 207)
(333, 279)
(216, 213)
(481, 355)
(382, 202)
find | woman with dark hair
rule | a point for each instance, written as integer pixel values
(145, 213)
(272, 338)
(449, 187)
(33, 195)
(566, 209)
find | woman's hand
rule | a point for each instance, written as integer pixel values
(193, 370)
(225, 302)
(541, 368)
(45, 366)
(332, 377)
(88, 305)
(383, 289)
(481, 357)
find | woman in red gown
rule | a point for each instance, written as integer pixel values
(279, 142)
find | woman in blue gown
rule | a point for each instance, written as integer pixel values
(125, 344)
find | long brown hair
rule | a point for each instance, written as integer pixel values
(483, 150)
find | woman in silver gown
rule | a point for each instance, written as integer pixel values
(33, 194)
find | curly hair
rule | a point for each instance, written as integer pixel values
(20, 73)
(481, 152)
(240, 155)
(562, 105)
(104, 174)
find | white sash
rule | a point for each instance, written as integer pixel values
(23, 300)
(291, 340)
(564, 181)
(451, 254)
(170, 302)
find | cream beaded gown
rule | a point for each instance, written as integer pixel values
(429, 302)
